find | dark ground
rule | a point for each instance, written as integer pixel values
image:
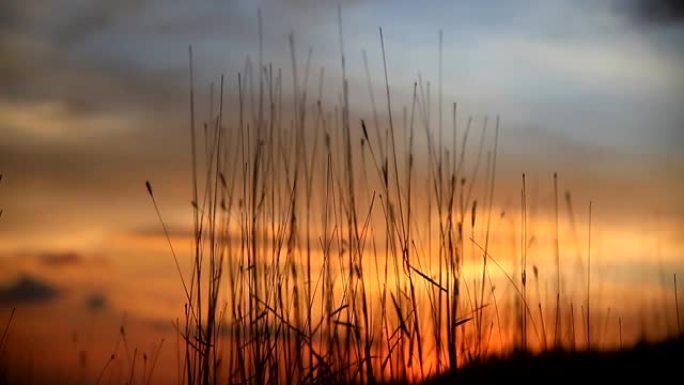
(644, 363)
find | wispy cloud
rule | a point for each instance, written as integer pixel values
(60, 259)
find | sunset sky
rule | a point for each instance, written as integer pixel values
(94, 102)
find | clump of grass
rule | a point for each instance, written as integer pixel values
(330, 251)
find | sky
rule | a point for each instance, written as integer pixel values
(94, 96)
(94, 102)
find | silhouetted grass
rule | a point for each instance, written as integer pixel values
(330, 251)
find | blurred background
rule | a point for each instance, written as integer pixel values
(94, 102)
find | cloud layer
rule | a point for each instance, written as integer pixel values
(93, 96)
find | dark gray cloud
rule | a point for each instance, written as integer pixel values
(27, 289)
(64, 21)
(41, 72)
(45, 56)
(90, 17)
(654, 11)
(12, 12)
